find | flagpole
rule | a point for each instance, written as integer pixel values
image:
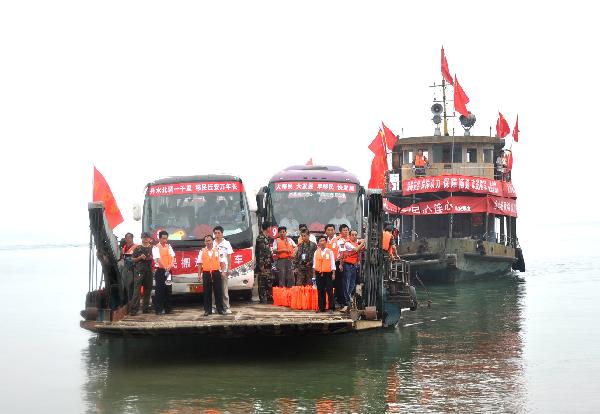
(444, 100)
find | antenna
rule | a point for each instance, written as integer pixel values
(467, 122)
(441, 109)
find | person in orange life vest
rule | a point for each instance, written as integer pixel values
(324, 267)
(388, 243)
(142, 257)
(420, 162)
(211, 266)
(164, 257)
(125, 266)
(339, 282)
(284, 249)
(352, 249)
(225, 251)
(333, 245)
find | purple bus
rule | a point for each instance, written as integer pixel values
(314, 195)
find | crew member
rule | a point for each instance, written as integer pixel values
(333, 245)
(420, 162)
(264, 261)
(211, 265)
(225, 252)
(164, 257)
(352, 249)
(304, 258)
(388, 243)
(142, 257)
(324, 267)
(126, 267)
(340, 280)
(284, 248)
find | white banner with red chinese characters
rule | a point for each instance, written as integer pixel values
(195, 188)
(185, 260)
(315, 186)
(458, 183)
(463, 204)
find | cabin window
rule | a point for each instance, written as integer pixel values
(471, 154)
(457, 153)
(407, 156)
(396, 161)
(442, 153)
(488, 155)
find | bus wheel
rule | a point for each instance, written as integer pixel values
(246, 295)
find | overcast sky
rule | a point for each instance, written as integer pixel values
(150, 89)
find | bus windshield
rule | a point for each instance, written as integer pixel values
(315, 206)
(193, 216)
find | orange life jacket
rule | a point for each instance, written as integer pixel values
(351, 257)
(165, 256)
(285, 249)
(334, 247)
(386, 243)
(419, 160)
(323, 261)
(210, 263)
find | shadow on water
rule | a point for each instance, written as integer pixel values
(462, 354)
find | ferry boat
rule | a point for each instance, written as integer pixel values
(457, 215)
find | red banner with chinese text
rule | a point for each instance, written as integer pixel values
(458, 183)
(315, 186)
(463, 205)
(185, 260)
(195, 188)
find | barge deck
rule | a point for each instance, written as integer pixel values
(247, 319)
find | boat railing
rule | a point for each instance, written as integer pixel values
(485, 170)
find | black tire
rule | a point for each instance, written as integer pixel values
(246, 295)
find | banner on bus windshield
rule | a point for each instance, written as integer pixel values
(315, 186)
(196, 188)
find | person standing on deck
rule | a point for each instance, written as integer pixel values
(324, 267)
(264, 261)
(211, 265)
(126, 269)
(284, 248)
(142, 257)
(332, 244)
(311, 236)
(163, 256)
(304, 259)
(388, 243)
(340, 280)
(352, 249)
(225, 251)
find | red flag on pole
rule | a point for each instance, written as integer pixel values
(102, 193)
(460, 98)
(379, 163)
(502, 128)
(445, 70)
(390, 137)
(516, 130)
(309, 162)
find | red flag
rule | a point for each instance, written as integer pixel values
(379, 163)
(390, 137)
(509, 161)
(516, 130)
(377, 145)
(460, 98)
(445, 70)
(502, 128)
(309, 162)
(102, 193)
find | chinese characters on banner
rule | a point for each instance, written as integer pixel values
(195, 188)
(462, 204)
(315, 186)
(458, 183)
(390, 207)
(185, 261)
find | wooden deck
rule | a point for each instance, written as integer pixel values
(247, 319)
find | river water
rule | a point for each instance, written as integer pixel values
(521, 343)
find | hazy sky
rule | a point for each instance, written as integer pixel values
(150, 89)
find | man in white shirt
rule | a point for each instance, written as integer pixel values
(284, 249)
(340, 218)
(290, 223)
(225, 251)
(164, 257)
(210, 268)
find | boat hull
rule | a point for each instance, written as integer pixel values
(456, 260)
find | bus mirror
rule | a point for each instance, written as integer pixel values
(137, 212)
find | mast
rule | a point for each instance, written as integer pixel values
(444, 103)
